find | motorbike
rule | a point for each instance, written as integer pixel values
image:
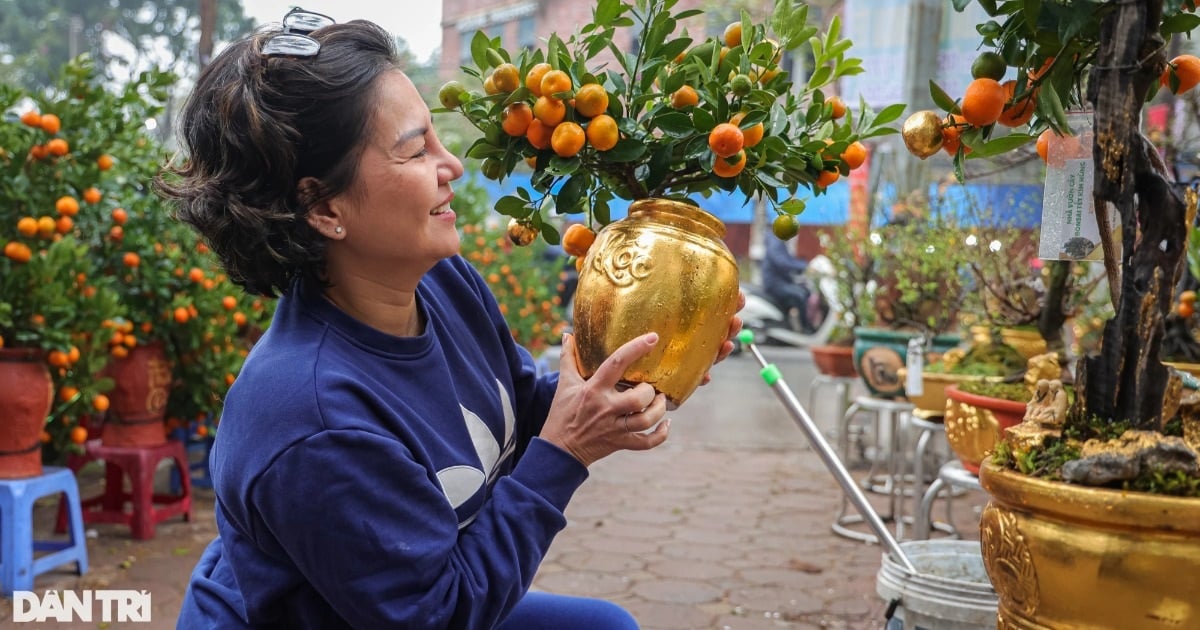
(770, 323)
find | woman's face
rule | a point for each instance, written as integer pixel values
(396, 214)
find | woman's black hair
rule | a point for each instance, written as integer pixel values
(253, 127)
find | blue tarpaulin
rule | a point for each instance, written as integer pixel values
(1019, 205)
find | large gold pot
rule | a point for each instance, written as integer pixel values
(1065, 557)
(662, 269)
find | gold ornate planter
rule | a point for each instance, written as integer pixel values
(662, 269)
(1066, 557)
(975, 423)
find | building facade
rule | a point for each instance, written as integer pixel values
(528, 23)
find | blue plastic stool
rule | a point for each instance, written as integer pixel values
(17, 545)
(198, 470)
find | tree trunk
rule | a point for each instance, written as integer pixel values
(208, 24)
(1126, 381)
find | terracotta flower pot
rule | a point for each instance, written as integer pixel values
(834, 360)
(974, 424)
(662, 269)
(26, 395)
(1070, 557)
(142, 384)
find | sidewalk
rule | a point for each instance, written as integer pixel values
(724, 526)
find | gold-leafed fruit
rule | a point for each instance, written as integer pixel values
(922, 133)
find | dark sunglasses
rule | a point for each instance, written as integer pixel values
(294, 41)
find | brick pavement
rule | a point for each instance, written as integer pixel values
(725, 526)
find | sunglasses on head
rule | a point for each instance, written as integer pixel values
(294, 41)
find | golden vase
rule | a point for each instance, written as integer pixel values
(662, 269)
(1067, 557)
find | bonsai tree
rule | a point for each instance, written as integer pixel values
(917, 255)
(1013, 289)
(676, 117)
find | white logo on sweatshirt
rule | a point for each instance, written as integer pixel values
(460, 483)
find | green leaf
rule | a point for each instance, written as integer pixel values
(627, 150)
(513, 206)
(702, 121)
(600, 211)
(888, 114)
(673, 123)
(479, 47)
(1032, 9)
(1179, 23)
(941, 99)
(483, 149)
(820, 77)
(793, 206)
(569, 196)
(961, 5)
(563, 166)
(549, 233)
(1000, 145)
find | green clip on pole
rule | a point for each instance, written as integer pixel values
(770, 373)
(772, 377)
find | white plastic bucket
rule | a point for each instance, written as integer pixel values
(950, 591)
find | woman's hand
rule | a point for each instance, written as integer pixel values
(735, 326)
(592, 419)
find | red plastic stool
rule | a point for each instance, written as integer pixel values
(139, 463)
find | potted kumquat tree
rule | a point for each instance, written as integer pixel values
(676, 119)
(53, 294)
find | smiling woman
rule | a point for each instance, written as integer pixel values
(387, 407)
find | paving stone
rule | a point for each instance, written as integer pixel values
(675, 591)
(584, 583)
(772, 599)
(667, 616)
(692, 569)
(621, 563)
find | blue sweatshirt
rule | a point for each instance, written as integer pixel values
(371, 481)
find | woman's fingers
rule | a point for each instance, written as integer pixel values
(568, 363)
(609, 373)
(639, 421)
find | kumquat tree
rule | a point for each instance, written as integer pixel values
(677, 117)
(94, 265)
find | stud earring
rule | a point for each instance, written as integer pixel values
(337, 230)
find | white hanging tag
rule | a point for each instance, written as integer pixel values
(1069, 228)
(914, 364)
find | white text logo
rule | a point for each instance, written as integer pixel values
(120, 606)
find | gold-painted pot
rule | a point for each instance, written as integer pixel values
(932, 399)
(662, 269)
(1190, 368)
(1027, 341)
(974, 424)
(1066, 557)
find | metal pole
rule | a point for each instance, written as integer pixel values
(772, 377)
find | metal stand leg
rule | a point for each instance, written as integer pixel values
(891, 481)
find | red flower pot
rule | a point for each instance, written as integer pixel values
(26, 395)
(974, 424)
(834, 360)
(142, 383)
